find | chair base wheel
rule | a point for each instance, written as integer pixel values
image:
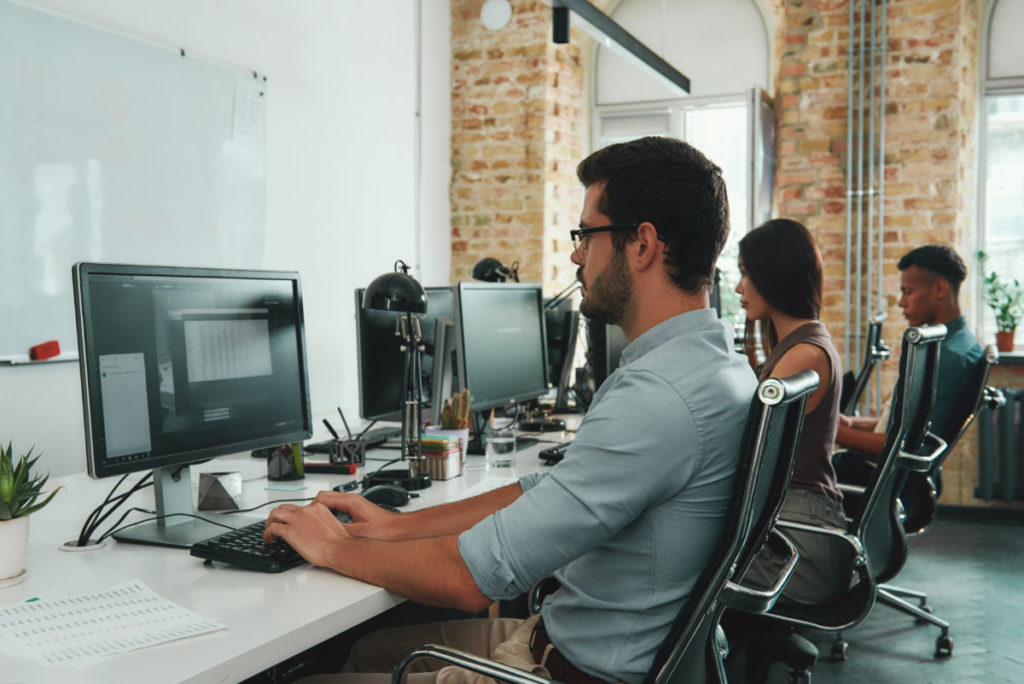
(944, 646)
(839, 650)
(802, 677)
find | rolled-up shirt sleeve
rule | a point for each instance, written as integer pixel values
(637, 447)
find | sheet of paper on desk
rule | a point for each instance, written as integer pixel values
(58, 629)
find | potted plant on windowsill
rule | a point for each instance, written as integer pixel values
(20, 490)
(1006, 299)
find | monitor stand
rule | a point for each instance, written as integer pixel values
(172, 489)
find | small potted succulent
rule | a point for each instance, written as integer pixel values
(20, 490)
(1006, 299)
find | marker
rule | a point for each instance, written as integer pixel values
(330, 429)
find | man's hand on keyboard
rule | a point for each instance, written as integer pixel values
(312, 530)
(368, 519)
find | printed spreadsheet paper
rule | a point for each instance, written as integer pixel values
(57, 629)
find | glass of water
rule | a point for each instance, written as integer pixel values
(500, 449)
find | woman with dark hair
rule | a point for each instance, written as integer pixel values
(780, 290)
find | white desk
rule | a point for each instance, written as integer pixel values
(269, 616)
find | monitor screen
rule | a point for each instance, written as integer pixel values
(501, 341)
(181, 364)
(381, 360)
(604, 351)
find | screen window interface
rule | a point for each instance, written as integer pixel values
(185, 364)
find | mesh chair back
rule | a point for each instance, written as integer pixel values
(769, 443)
(877, 523)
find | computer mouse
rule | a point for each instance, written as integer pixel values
(386, 495)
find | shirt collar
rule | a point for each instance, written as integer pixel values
(955, 325)
(666, 330)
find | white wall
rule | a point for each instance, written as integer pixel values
(341, 171)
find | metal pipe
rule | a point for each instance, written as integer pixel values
(859, 305)
(847, 336)
(881, 187)
(871, 175)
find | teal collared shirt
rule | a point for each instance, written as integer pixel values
(628, 520)
(959, 355)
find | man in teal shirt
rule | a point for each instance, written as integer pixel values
(629, 519)
(930, 279)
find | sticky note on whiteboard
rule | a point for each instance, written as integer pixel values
(247, 127)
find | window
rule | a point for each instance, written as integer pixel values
(1001, 232)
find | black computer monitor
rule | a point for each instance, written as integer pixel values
(179, 365)
(604, 349)
(382, 362)
(502, 355)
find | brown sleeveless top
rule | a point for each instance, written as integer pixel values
(813, 468)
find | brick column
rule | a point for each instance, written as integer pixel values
(517, 122)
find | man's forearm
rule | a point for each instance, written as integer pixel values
(451, 518)
(428, 571)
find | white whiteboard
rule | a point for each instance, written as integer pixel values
(113, 149)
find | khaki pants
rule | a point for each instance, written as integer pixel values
(823, 572)
(374, 656)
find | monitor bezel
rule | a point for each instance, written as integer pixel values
(464, 376)
(395, 415)
(96, 464)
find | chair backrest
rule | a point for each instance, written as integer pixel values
(875, 350)
(770, 438)
(972, 403)
(877, 523)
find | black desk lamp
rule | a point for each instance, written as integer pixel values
(399, 292)
(491, 270)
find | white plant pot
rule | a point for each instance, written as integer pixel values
(13, 545)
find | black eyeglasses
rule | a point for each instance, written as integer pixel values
(581, 236)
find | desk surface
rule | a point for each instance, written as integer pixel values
(269, 616)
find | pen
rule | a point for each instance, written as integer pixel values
(330, 428)
(344, 422)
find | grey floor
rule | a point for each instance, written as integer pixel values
(974, 576)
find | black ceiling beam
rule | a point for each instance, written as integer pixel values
(607, 26)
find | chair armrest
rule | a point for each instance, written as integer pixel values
(851, 489)
(739, 597)
(993, 397)
(925, 463)
(851, 539)
(489, 668)
(540, 590)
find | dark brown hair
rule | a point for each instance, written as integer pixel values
(782, 262)
(673, 186)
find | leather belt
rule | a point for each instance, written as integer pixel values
(558, 666)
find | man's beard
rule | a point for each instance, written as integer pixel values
(607, 297)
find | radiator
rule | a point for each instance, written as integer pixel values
(1001, 449)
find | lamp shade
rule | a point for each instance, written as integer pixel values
(491, 270)
(395, 292)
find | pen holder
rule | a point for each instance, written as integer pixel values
(347, 451)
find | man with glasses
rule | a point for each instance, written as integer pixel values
(629, 519)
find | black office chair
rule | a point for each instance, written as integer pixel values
(920, 495)
(691, 651)
(876, 350)
(874, 532)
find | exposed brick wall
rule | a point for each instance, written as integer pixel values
(518, 116)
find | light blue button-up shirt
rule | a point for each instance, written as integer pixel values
(628, 520)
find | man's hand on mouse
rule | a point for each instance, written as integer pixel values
(311, 530)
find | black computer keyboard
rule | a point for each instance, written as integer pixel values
(244, 547)
(554, 454)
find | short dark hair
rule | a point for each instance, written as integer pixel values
(942, 260)
(673, 186)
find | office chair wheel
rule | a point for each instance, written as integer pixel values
(801, 677)
(839, 650)
(944, 646)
